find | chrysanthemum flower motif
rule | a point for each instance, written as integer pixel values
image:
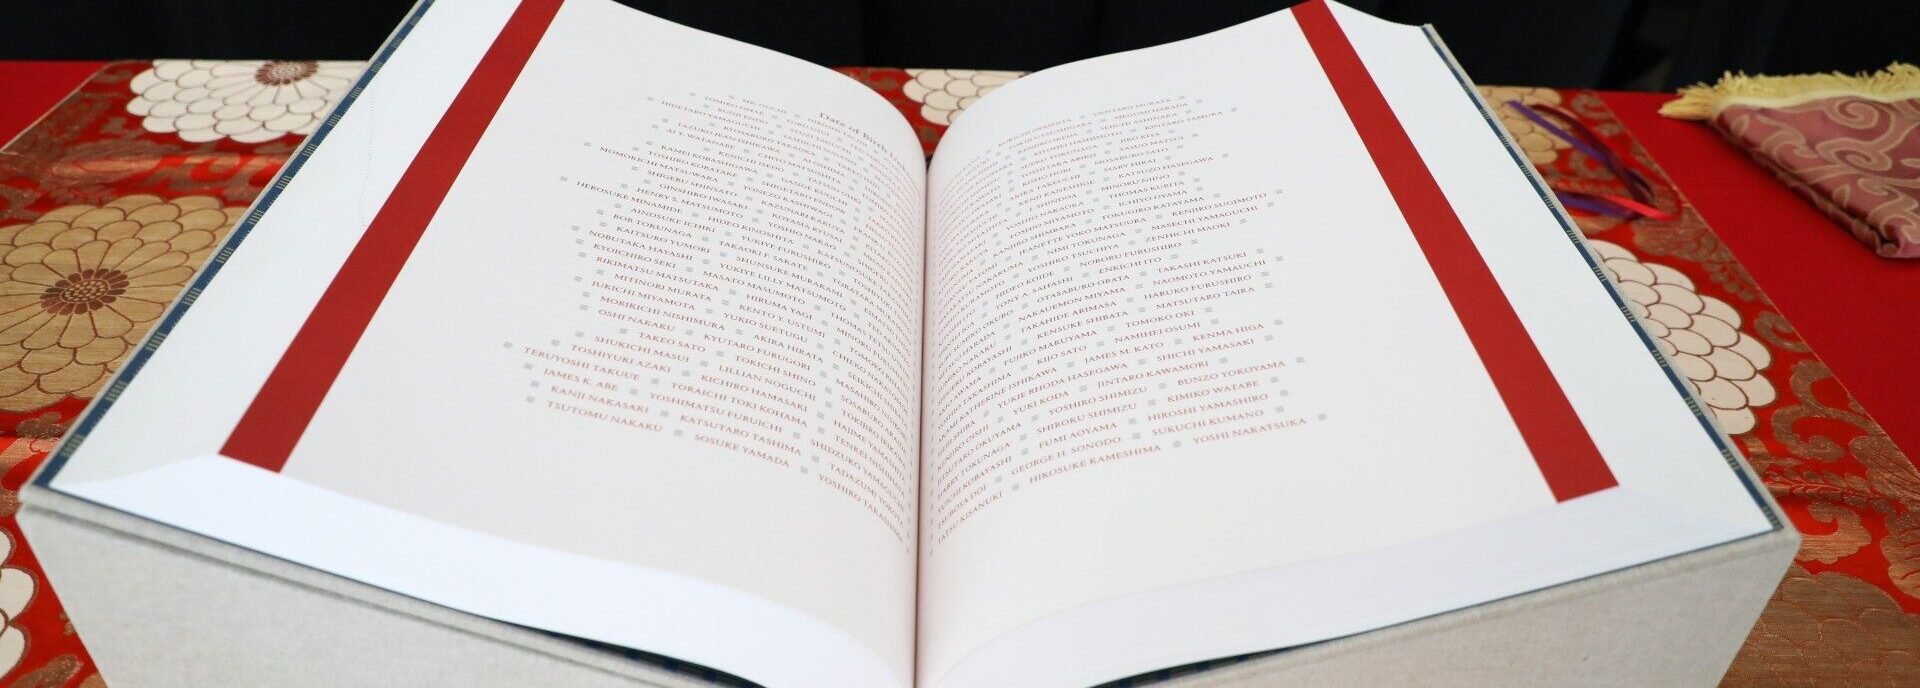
(943, 93)
(1540, 147)
(82, 284)
(1700, 334)
(249, 101)
(16, 590)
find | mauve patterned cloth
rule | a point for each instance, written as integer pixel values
(1858, 158)
(1849, 143)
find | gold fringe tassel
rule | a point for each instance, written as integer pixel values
(1702, 101)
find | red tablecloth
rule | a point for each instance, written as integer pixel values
(1860, 311)
(28, 89)
(1849, 609)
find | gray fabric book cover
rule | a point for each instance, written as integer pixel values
(162, 606)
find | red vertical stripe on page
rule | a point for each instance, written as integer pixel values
(1560, 445)
(285, 405)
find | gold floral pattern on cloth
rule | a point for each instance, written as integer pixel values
(944, 93)
(1540, 147)
(249, 101)
(103, 219)
(81, 285)
(1829, 629)
(32, 439)
(1700, 334)
(16, 590)
(56, 673)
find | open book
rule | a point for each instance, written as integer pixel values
(577, 319)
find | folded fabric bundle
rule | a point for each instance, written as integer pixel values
(1848, 143)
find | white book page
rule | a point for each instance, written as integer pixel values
(650, 377)
(1193, 390)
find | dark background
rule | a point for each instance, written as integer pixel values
(1621, 44)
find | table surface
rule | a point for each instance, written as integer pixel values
(1849, 607)
(1860, 311)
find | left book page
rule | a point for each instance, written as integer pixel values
(576, 319)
